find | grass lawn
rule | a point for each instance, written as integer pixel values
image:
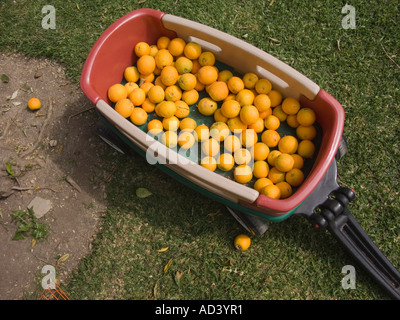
(359, 67)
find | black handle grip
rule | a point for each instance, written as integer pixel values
(348, 231)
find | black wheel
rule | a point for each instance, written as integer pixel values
(254, 225)
(342, 149)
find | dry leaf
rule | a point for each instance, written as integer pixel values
(163, 249)
(33, 243)
(63, 258)
(166, 267)
(14, 95)
(178, 277)
(155, 290)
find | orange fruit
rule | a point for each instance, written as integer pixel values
(298, 161)
(225, 75)
(187, 81)
(263, 86)
(290, 105)
(232, 143)
(291, 120)
(153, 50)
(146, 64)
(219, 131)
(235, 84)
(192, 50)
(219, 117)
(260, 169)
(207, 106)
(306, 133)
(242, 156)
(155, 127)
(284, 162)
(166, 109)
(124, 107)
(188, 124)
(145, 78)
(249, 114)
(148, 106)
(249, 138)
(142, 48)
(163, 58)
(236, 125)
(272, 156)
(272, 122)
(250, 79)
(169, 75)
(218, 90)
(242, 242)
(156, 94)
(196, 66)
(288, 144)
(130, 86)
(209, 163)
(138, 116)
(243, 173)
(162, 42)
(170, 139)
(225, 162)
(306, 149)
(117, 92)
(173, 93)
(276, 176)
(146, 86)
(278, 112)
(190, 96)
(186, 140)
(176, 46)
(295, 177)
(266, 113)
(270, 138)
(158, 82)
(285, 188)
(171, 123)
(202, 133)
(182, 109)
(261, 183)
(137, 96)
(245, 97)
(210, 147)
(131, 74)
(260, 151)
(275, 97)
(257, 126)
(262, 102)
(271, 191)
(230, 108)
(183, 65)
(207, 58)
(306, 117)
(207, 75)
(35, 104)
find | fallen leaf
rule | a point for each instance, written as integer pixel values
(143, 193)
(163, 249)
(166, 267)
(178, 277)
(63, 258)
(4, 78)
(155, 290)
(33, 242)
(14, 95)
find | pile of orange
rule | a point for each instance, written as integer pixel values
(168, 78)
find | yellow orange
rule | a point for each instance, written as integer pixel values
(130, 86)
(276, 176)
(209, 163)
(285, 189)
(225, 162)
(250, 79)
(117, 92)
(243, 174)
(202, 133)
(218, 90)
(183, 65)
(173, 93)
(263, 86)
(261, 183)
(166, 109)
(271, 191)
(170, 139)
(192, 50)
(306, 117)
(138, 116)
(235, 84)
(146, 64)
(306, 149)
(245, 97)
(155, 127)
(219, 131)
(248, 138)
(232, 143)
(169, 75)
(291, 120)
(186, 140)
(176, 46)
(124, 107)
(260, 169)
(257, 126)
(225, 75)
(290, 105)
(230, 108)
(207, 58)
(284, 162)
(210, 147)
(236, 125)
(137, 96)
(275, 97)
(262, 102)
(242, 156)
(156, 94)
(171, 123)
(260, 151)
(163, 58)
(242, 242)
(306, 133)
(35, 104)
(207, 75)
(270, 138)
(148, 106)
(207, 106)
(142, 48)
(288, 144)
(219, 117)
(294, 177)
(131, 74)
(182, 109)
(272, 122)
(162, 42)
(187, 81)
(298, 161)
(187, 124)
(249, 114)
(272, 156)
(190, 96)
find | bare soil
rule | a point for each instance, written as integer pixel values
(55, 155)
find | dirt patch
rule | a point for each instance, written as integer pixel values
(54, 154)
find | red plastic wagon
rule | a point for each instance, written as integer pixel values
(320, 199)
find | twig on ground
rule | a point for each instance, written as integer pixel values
(45, 123)
(391, 59)
(79, 112)
(3, 135)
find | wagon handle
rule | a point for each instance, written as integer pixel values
(246, 57)
(337, 218)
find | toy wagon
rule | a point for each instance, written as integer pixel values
(320, 198)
